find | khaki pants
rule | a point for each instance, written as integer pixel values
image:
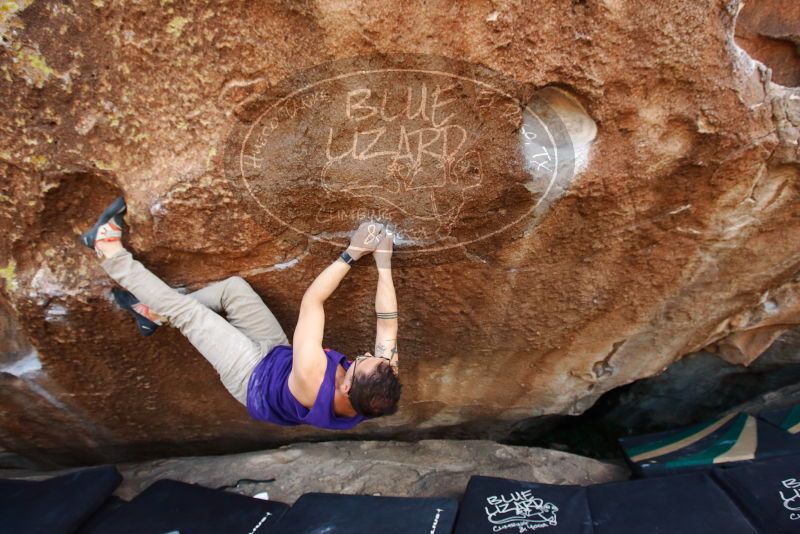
(233, 346)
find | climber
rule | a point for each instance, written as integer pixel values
(286, 385)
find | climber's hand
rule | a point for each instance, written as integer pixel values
(366, 239)
(383, 254)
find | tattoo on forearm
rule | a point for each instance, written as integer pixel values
(386, 349)
(386, 315)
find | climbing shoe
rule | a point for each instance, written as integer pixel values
(107, 228)
(144, 318)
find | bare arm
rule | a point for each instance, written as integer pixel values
(308, 358)
(386, 304)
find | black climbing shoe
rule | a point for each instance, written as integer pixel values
(112, 216)
(126, 301)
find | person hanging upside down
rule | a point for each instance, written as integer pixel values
(288, 385)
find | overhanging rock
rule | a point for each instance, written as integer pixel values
(527, 285)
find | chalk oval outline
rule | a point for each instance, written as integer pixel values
(363, 72)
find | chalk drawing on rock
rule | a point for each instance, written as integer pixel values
(428, 145)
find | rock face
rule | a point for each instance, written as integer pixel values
(585, 191)
(768, 30)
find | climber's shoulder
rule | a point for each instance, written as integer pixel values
(307, 374)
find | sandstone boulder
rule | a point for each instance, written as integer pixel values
(624, 191)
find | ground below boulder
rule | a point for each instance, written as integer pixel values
(423, 469)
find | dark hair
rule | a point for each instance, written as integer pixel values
(377, 393)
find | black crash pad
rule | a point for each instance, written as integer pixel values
(108, 507)
(57, 505)
(768, 492)
(365, 514)
(492, 505)
(688, 503)
(787, 419)
(172, 506)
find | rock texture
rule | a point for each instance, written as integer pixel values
(768, 30)
(674, 228)
(424, 469)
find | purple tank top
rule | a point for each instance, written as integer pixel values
(269, 398)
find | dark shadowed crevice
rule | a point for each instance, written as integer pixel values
(694, 389)
(769, 31)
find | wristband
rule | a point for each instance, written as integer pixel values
(347, 258)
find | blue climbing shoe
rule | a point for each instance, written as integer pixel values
(107, 228)
(128, 302)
